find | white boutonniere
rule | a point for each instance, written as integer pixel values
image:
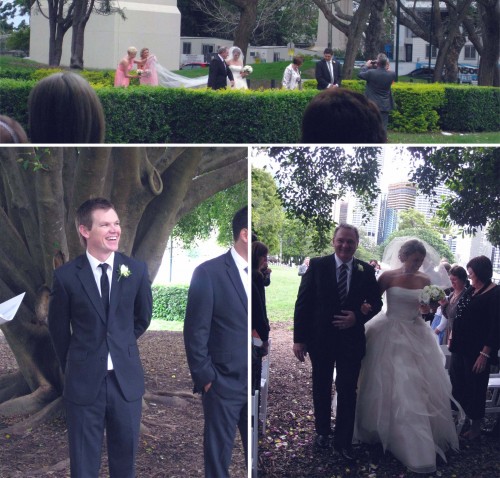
(123, 271)
(361, 268)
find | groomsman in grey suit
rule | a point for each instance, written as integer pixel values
(100, 305)
(216, 340)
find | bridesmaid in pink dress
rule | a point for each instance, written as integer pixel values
(122, 75)
(147, 64)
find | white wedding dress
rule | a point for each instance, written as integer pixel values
(239, 82)
(404, 390)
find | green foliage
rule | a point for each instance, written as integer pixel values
(428, 235)
(471, 108)
(312, 179)
(473, 175)
(169, 303)
(42, 73)
(411, 218)
(267, 211)
(417, 107)
(214, 214)
(19, 40)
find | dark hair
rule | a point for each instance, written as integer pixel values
(298, 60)
(63, 108)
(240, 221)
(337, 115)
(83, 216)
(482, 267)
(327, 51)
(11, 131)
(447, 266)
(143, 50)
(259, 249)
(411, 247)
(346, 226)
(459, 272)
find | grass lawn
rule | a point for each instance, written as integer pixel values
(438, 137)
(172, 325)
(282, 293)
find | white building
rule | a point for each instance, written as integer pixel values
(154, 24)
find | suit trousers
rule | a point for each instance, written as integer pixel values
(86, 425)
(385, 119)
(222, 416)
(346, 382)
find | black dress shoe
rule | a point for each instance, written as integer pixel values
(345, 453)
(322, 441)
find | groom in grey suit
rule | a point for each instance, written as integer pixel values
(100, 305)
(216, 340)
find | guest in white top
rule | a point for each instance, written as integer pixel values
(291, 75)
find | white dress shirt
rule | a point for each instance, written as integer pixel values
(242, 264)
(97, 271)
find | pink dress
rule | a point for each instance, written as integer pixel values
(121, 72)
(149, 75)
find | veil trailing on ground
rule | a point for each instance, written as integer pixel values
(172, 80)
(431, 266)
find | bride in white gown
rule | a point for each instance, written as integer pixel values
(235, 63)
(404, 390)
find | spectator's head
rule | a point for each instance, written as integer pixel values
(259, 256)
(382, 60)
(298, 60)
(374, 263)
(458, 277)
(306, 261)
(84, 216)
(337, 115)
(11, 131)
(328, 54)
(480, 271)
(63, 108)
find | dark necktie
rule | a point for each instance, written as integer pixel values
(342, 283)
(104, 287)
(246, 269)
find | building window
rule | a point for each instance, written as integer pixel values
(186, 48)
(434, 51)
(470, 52)
(276, 56)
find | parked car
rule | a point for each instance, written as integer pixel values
(194, 66)
(425, 73)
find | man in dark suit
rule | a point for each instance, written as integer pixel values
(328, 72)
(218, 71)
(216, 340)
(100, 304)
(379, 80)
(329, 324)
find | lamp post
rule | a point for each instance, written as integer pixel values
(398, 14)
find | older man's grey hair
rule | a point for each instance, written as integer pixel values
(382, 59)
(222, 49)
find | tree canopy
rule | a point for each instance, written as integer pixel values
(473, 175)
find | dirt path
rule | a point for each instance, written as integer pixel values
(172, 449)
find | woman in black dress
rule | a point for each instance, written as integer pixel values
(474, 342)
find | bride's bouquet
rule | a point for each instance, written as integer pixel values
(431, 295)
(247, 69)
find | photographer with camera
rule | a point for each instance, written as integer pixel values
(379, 80)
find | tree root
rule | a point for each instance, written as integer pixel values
(12, 385)
(169, 393)
(32, 403)
(47, 413)
(60, 466)
(174, 401)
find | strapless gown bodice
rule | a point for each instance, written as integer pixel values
(404, 390)
(239, 82)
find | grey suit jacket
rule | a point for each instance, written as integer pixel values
(83, 336)
(215, 328)
(378, 87)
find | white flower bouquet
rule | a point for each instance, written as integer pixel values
(247, 69)
(431, 294)
(140, 72)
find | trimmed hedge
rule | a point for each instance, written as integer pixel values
(177, 115)
(169, 303)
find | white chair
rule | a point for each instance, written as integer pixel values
(264, 388)
(255, 434)
(493, 394)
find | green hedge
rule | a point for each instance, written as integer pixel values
(169, 303)
(177, 115)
